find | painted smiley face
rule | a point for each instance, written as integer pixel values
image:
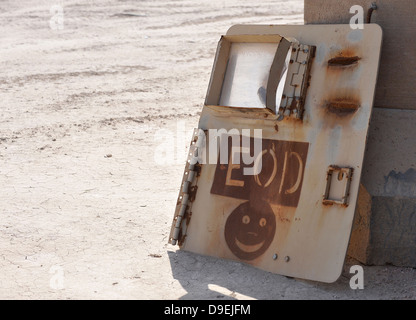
(249, 231)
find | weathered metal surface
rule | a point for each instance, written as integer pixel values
(277, 220)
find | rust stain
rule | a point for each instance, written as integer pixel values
(339, 107)
(188, 218)
(342, 107)
(342, 61)
(296, 126)
(293, 121)
(335, 168)
(192, 193)
(181, 239)
(283, 220)
(348, 52)
(242, 111)
(338, 62)
(327, 203)
(276, 127)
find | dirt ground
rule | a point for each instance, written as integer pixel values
(87, 201)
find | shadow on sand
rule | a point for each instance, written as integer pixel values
(218, 279)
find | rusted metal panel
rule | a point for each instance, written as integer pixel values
(293, 217)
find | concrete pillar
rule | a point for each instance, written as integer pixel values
(384, 230)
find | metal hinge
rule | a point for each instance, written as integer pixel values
(188, 191)
(297, 81)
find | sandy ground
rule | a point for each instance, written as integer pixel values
(86, 201)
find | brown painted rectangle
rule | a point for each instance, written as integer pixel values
(279, 181)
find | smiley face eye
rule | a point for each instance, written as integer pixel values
(246, 219)
(262, 222)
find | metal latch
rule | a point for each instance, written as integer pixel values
(338, 182)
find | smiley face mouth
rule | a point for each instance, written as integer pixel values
(249, 248)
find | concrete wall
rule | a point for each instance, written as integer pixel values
(385, 225)
(389, 177)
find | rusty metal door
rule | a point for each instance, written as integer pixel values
(303, 95)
